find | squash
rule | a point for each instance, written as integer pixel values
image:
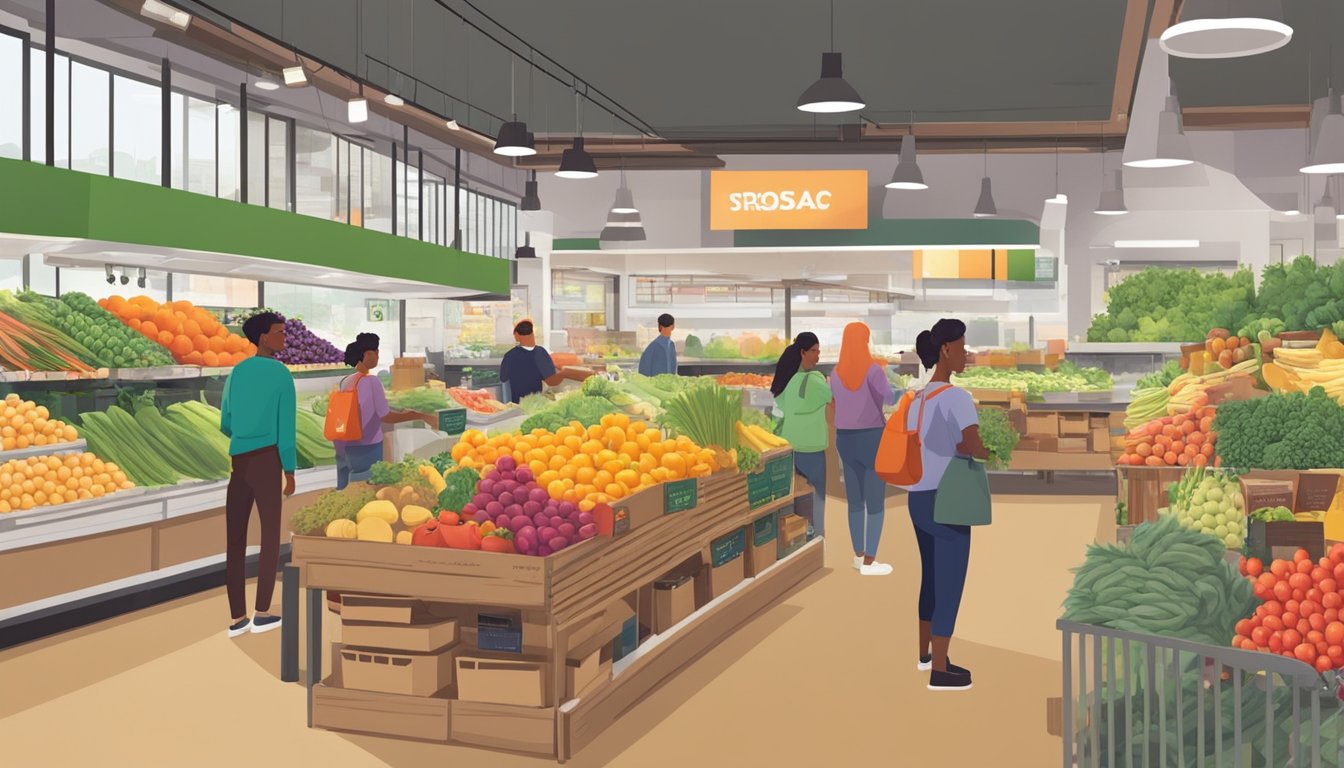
(375, 529)
(341, 528)
(380, 508)
(1276, 377)
(413, 515)
(404, 537)
(432, 477)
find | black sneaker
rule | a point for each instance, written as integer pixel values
(265, 624)
(240, 627)
(926, 663)
(948, 681)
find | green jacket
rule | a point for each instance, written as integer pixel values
(804, 403)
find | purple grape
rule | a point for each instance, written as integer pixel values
(481, 499)
(541, 519)
(556, 521)
(517, 523)
(509, 486)
(527, 530)
(502, 521)
(567, 507)
(486, 488)
(507, 474)
(495, 509)
(558, 543)
(538, 495)
(547, 533)
(524, 475)
(543, 551)
(481, 517)
(585, 518)
(525, 545)
(531, 508)
(566, 530)
(506, 499)
(588, 531)
(506, 464)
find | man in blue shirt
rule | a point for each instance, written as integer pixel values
(527, 366)
(661, 354)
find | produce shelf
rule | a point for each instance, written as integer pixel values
(160, 373)
(490, 419)
(77, 446)
(1126, 348)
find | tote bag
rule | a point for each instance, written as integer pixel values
(900, 458)
(963, 494)
(343, 422)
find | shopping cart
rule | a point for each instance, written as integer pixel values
(1135, 700)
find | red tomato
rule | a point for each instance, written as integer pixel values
(1280, 568)
(1282, 592)
(1336, 653)
(1300, 555)
(1260, 636)
(1337, 553)
(1267, 579)
(1308, 608)
(1324, 663)
(1299, 595)
(1339, 572)
(1331, 614)
(1300, 581)
(1322, 648)
(1305, 652)
(1317, 621)
(1261, 592)
(1276, 642)
(1290, 619)
(1334, 633)
(1244, 628)
(1320, 573)
(1273, 623)
(1291, 606)
(1314, 595)
(1255, 568)
(1304, 566)
(1291, 638)
(1315, 637)
(1273, 608)
(1303, 627)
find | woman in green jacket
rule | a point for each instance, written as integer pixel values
(802, 394)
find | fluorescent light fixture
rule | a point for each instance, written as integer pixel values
(576, 163)
(514, 140)
(1156, 243)
(830, 94)
(357, 110)
(294, 76)
(160, 11)
(907, 175)
(1328, 154)
(984, 207)
(265, 83)
(394, 100)
(1220, 29)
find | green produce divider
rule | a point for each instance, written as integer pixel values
(680, 495)
(759, 490)
(54, 202)
(453, 420)
(780, 472)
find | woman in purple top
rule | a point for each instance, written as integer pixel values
(354, 458)
(861, 389)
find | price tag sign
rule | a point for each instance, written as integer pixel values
(680, 496)
(759, 491)
(453, 420)
(780, 472)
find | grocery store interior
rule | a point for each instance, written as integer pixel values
(573, 502)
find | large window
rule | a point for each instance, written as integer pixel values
(137, 131)
(315, 173)
(11, 96)
(90, 94)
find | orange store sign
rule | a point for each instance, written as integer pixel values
(788, 200)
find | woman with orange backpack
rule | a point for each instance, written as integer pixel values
(357, 412)
(861, 390)
(944, 426)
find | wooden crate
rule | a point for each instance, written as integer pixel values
(1144, 489)
(382, 714)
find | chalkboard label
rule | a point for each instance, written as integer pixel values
(764, 530)
(780, 472)
(728, 548)
(453, 420)
(680, 496)
(759, 490)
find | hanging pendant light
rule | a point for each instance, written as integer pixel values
(1112, 202)
(531, 200)
(831, 93)
(357, 109)
(1225, 29)
(907, 174)
(295, 76)
(513, 139)
(984, 207)
(526, 251)
(1058, 198)
(1327, 157)
(1173, 146)
(575, 162)
(624, 223)
(625, 199)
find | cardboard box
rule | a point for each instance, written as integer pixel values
(408, 373)
(762, 543)
(408, 674)
(1316, 491)
(1073, 425)
(1045, 444)
(1259, 493)
(1043, 424)
(725, 567)
(1099, 421)
(1018, 420)
(514, 681)
(791, 534)
(428, 637)
(673, 601)
(1028, 444)
(1101, 439)
(1073, 445)
(507, 631)
(391, 610)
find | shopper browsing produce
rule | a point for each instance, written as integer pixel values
(355, 457)
(802, 394)
(861, 390)
(258, 415)
(661, 354)
(948, 427)
(527, 366)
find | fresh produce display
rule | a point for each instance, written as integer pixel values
(535, 403)
(723, 348)
(110, 343)
(1292, 431)
(1189, 391)
(1161, 379)
(312, 446)
(115, 434)
(707, 415)
(1299, 370)
(1160, 304)
(1300, 296)
(191, 334)
(24, 423)
(424, 399)
(751, 380)
(201, 420)
(694, 347)
(1187, 439)
(459, 486)
(401, 473)
(540, 523)
(1223, 351)
(476, 400)
(27, 345)
(44, 481)
(443, 461)
(1299, 616)
(1273, 515)
(1067, 378)
(758, 438)
(1146, 405)
(998, 435)
(332, 506)
(580, 409)
(302, 346)
(1168, 581)
(1211, 503)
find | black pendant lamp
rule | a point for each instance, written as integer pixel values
(526, 251)
(831, 93)
(513, 139)
(531, 200)
(575, 162)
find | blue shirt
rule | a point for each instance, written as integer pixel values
(659, 357)
(522, 371)
(258, 409)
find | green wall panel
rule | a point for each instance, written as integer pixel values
(576, 244)
(54, 202)
(1022, 266)
(899, 233)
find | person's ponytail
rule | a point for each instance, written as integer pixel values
(789, 363)
(927, 351)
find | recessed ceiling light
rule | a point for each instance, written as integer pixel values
(394, 100)
(160, 11)
(266, 84)
(294, 76)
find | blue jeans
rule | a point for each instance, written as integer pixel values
(864, 490)
(353, 462)
(944, 554)
(813, 467)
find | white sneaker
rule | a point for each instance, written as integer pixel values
(875, 569)
(858, 563)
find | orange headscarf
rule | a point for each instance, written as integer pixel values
(855, 357)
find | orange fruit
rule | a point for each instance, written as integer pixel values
(557, 461)
(211, 359)
(149, 329)
(614, 437)
(537, 467)
(615, 490)
(614, 466)
(191, 328)
(200, 343)
(585, 475)
(628, 478)
(674, 463)
(556, 489)
(216, 345)
(620, 420)
(603, 479)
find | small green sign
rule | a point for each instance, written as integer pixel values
(780, 472)
(728, 548)
(453, 420)
(764, 530)
(680, 496)
(759, 490)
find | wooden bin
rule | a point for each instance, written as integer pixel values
(1144, 489)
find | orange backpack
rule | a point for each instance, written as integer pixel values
(899, 459)
(343, 422)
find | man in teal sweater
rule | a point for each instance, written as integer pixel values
(258, 416)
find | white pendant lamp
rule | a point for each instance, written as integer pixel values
(624, 223)
(985, 207)
(1059, 197)
(1112, 202)
(625, 199)
(831, 93)
(1225, 29)
(907, 175)
(1173, 147)
(513, 139)
(1327, 157)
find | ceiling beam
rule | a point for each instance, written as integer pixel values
(1246, 118)
(1132, 42)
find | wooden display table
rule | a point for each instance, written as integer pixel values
(566, 603)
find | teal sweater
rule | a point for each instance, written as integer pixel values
(805, 411)
(258, 409)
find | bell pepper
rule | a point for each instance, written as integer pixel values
(500, 540)
(461, 536)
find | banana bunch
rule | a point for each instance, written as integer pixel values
(759, 439)
(1303, 369)
(1185, 390)
(1148, 404)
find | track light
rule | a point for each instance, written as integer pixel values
(357, 110)
(295, 76)
(125, 278)
(111, 276)
(142, 280)
(160, 11)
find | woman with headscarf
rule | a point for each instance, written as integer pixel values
(802, 395)
(861, 390)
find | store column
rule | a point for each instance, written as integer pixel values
(535, 274)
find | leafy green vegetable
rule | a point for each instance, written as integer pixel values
(758, 418)
(419, 399)
(998, 435)
(461, 487)
(708, 415)
(1292, 431)
(1162, 378)
(1161, 304)
(581, 408)
(1070, 379)
(535, 403)
(443, 461)
(598, 386)
(332, 505)
(694, 347)
(404, 472)
(722, 348)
